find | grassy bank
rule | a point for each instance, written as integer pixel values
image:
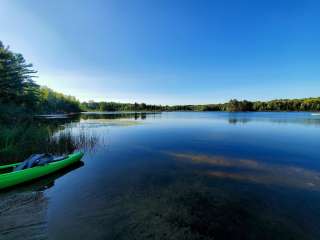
(18, 141)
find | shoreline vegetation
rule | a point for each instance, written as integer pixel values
(234, 105)
(22, 100)
(21, 97)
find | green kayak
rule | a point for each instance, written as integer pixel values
(11, 178)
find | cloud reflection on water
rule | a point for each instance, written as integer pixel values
(254, 171)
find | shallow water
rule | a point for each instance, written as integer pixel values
(179, 176)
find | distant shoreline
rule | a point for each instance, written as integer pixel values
(234, 105)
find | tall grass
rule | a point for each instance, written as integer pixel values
(67, 141)
(17, 142)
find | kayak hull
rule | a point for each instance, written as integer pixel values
(14, 178)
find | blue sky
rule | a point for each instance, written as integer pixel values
(169, 51)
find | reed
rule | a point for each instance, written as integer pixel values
(19, 142)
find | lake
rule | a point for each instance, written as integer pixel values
(178, 175)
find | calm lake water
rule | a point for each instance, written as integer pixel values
(178, 176)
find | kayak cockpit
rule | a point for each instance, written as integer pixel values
(38, 160)
(32, 161)
(36, 166)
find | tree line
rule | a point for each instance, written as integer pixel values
(114, 106)
(21, 96)
(305, 104)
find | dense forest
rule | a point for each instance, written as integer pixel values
(21, 96)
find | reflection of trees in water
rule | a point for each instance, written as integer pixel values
(131, 115)
(232, 119)
(23, 210)
(238, 120)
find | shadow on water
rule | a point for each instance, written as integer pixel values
(23, 209)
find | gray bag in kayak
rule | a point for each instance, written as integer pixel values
(38, 160)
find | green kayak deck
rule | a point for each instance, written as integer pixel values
(11, 178)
